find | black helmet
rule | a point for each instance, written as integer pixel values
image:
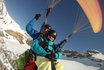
(47, 26)
(52, 33)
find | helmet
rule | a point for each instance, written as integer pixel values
(47, 26)
(52, 33)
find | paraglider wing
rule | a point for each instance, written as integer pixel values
(93, 12)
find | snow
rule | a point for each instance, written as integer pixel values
(16, 47)
(5, 62)
(98, 56)
(85, 61)
(73, 65)
(7, 23)
(80, 64)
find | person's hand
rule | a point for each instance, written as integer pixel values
(61, 44)
(50, 56)
(64, 41)
(58, 50)
(37, 16)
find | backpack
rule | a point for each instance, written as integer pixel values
(25, 61)
(31, 64)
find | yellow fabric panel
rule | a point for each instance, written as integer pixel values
(45, 64)
(93, 12)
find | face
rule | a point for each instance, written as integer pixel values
(51, 38)
(45, 31)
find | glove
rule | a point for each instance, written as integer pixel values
(64, 41)
(61, 44)
(51, 56)
(37, 16)
(58, 50)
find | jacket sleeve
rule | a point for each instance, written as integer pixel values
(58, 50)
(58, 55)
(29, 28)
(38, 49)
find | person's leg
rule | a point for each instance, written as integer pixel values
(43, 63)
(59, 66)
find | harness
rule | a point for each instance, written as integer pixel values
(30, 65)
(45, 47)
(33, 54)
(44, 44)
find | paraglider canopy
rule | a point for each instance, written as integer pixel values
(93, 12)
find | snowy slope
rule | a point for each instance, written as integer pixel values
(15, 47)
(99, 56)
(81, 64)
(75, 65)
(7, 22)
(9, 51)
(13, 40)
(94, 62)
(9, 29)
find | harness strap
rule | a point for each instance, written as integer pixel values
(34, 56)
(44, 44)
(53, 65)
(45, 47)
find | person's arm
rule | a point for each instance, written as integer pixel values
(54, 56)
(29, 27)
(61, 44)
(58, 55)
(38, 49)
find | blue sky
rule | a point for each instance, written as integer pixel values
(62, 19)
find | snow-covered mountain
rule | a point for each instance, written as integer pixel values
(14, 41)
(87, 60)
(9, 30)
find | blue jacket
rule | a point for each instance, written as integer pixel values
(39, 50)
(42, 52)
(29, 28)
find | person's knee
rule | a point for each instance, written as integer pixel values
(59, 66)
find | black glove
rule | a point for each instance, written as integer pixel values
(58, 50)
(64, 41)
(51, 56)
(61, 44)
(37, 16)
